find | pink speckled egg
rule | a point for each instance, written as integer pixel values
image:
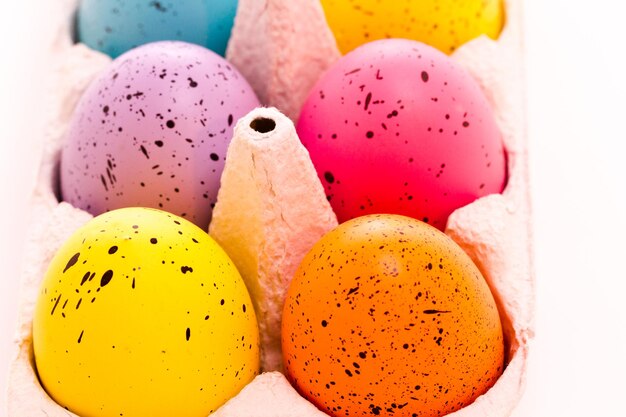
(153, 130)
(397, 127)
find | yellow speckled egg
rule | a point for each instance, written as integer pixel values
(141, 313)
(444, 24)
(386, 315)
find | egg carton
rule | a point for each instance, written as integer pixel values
(285, 204)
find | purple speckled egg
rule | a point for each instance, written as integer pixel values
(153, 130)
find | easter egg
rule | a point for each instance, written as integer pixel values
(114, 27)
(397, 127)
(387, 315)
(153, 130)
(444, 24)
(141, 313)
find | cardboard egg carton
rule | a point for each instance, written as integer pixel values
(282, 58)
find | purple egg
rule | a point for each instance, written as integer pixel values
(153, 130)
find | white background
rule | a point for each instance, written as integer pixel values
(576, 70)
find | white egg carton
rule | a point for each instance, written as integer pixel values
(282, 57)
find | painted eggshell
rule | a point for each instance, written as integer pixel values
(114, 27)
(397, 127)
(141, 313)
(444, 24)
(153, 130)
(387, 315)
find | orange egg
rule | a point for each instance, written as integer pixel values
(386, 314)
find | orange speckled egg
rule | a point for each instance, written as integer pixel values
(386, 314)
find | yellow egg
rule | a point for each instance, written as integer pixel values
(141, 313)
(444, 24)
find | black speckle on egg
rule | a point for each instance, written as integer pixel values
(144, 151)
(112, 250)
(368, 99)
(158, 6)
(106, 278)
(153, 241)
(71, 262)
(55, 305)
(85, 278)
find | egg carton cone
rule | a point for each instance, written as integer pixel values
(273, 389)
(270, 211)
(282, 58)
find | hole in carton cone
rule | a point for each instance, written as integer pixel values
(263, 125)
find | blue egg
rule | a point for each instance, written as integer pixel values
(115, 26)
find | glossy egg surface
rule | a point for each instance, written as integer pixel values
(153, 130)
(398, 127)
(116, 26)
(444, 24)
(142, 314)
(387, 315)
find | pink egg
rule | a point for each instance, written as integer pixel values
(153, 130)
(397, 127)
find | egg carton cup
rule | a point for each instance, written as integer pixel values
(282, 47)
